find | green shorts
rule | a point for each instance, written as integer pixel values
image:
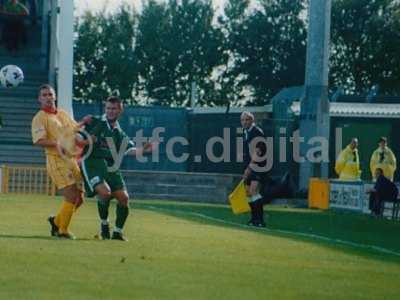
(95, 171)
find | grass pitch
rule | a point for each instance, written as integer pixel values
(192, 251)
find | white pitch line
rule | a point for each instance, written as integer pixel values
(296, 233)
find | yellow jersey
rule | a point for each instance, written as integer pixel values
(384, 159)
(348, 164)
(57, 127)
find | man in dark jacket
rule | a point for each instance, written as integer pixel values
(384, 190)
(261, 189)
(253, 178)
(250, 132)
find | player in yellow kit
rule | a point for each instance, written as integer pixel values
(55, 131)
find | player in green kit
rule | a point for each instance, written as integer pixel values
(100, 167)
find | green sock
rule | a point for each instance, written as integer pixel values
(122, 214)
(102, 206)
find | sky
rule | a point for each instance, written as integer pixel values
(95, 5)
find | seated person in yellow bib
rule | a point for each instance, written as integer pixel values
(347, 165)
(384, 159)
(55, 131)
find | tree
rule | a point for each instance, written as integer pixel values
(268, 46)
(104, 61)
(365, 45)
(155, 67)
(229, 85)
(176, 45)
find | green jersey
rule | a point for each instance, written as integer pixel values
(108, 139)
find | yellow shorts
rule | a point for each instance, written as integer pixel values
(64, 171)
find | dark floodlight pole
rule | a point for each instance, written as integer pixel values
(314, 115)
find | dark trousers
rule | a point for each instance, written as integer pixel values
(375, 204)
(270, 191)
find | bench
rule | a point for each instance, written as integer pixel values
(395, 205)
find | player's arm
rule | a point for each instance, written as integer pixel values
(91, 124)
(137, 151)
(87, 120)
(78, 125)
(88, 135)
(46, 143)
(82, 141)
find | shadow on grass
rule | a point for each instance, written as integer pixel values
(38, 237)
(327, 227)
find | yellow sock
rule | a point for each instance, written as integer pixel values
(63, 217)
